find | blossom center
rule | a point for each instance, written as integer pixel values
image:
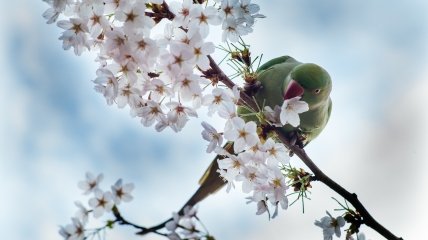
(130, 17)
(77, 28)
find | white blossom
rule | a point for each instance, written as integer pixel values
(134, 18)
(57, 7)
(210, 134)
(214, 100)
(150, 113)
(276, 151)
(182, 12)
(179, 115)
(73, 231)
(290, 110)
(102, 202)
(273, 115)
(76, 34)
(82, 213)
(330, 225)
(201, 18)
(91, 184)
(122, 192)
(106, 84)
(242, 134)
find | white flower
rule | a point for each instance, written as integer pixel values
(248, 11)
(106, 83)
(122, 192)
(229, 177)
(177, 60)
(134, 18)
(102, 202)
(57, 7)
(200, 18)
(158, 89)
(261, 207)
(229, 9)
(242, 134)
(189, 228)
(187, 85)
(330, 226)
(250, 177)
(98, 22)
(215, 100)
(91, 183)
(64, 233)
(179, 115)
(116, 43)
(290, 110)
(230, 30)
(74, 231)
(233, 164)
(150, 113)
(182, 12)
(82, 213)
(227, 111)
(76, 35)
(145, 51)
(173, 224)
(276, 151)
(201, 50)
(190, 211)
(210, 134)
(273, 115)
(128, 94)
(278, 187)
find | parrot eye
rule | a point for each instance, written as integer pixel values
(317, 91)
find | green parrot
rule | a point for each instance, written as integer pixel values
(281, 78)
(285, 78)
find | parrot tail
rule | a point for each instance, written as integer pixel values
(209, 183)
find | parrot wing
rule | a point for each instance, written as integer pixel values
(210, 181)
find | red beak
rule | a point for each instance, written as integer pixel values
(293, 90)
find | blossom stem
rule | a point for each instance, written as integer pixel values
(319, 175)
(119, 219)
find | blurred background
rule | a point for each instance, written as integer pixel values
(54, 127)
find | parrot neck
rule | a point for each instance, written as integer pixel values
(319, 105)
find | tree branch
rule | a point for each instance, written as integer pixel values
(322, 177)
(122, 221)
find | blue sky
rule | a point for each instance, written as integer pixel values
(54, 127)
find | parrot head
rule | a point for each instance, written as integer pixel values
(309, 81)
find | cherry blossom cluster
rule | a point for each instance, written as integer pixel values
(257, 161)
(156, 76)
(256, 166)
(185, 226)
(101, 202)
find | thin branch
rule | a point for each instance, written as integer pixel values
(319, 175)
(122, 221)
